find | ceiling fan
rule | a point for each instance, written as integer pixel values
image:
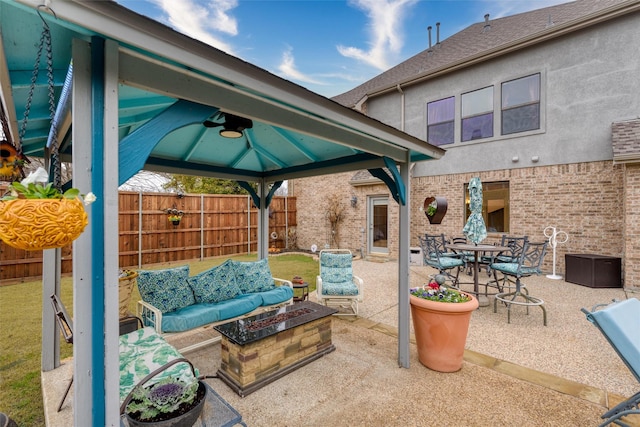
(232, 125)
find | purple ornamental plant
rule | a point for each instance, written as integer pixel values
(164, 397)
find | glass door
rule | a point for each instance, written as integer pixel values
(377, 220)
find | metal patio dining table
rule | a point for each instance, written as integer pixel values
(483, 300)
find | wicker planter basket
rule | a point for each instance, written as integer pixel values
(125, 288)
(36, 224)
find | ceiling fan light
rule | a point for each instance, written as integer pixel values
(231, 133)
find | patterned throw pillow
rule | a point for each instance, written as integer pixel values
(215, 285)
(166, 289)
(253, 276)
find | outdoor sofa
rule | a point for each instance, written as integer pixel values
(174, 301)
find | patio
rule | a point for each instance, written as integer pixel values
(523, 372)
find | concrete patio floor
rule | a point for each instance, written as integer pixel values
(519, 373)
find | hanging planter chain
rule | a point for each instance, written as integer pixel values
(45, 43)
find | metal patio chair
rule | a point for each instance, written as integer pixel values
(528, 264)
(434, 254)
(336, 283)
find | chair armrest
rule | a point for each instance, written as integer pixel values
(319, 285)
(150, 315)
(282, 282)
(359, 283)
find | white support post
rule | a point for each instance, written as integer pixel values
(111, 244)
(263, 221)
(51, 272)
(403, 269)
(82, 247)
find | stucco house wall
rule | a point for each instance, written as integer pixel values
(564, 174)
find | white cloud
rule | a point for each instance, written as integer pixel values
(199, 21)
(288, 69)
(385, 28)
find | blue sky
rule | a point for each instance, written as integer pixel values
(327, 46)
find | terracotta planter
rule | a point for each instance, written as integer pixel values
(36, 224)
(441, 331)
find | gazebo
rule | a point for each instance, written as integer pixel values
(133, 94)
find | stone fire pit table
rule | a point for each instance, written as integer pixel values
(258, 350)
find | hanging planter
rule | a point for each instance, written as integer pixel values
(175, 220)
(435, 209)
(35, 217)
(36, 224)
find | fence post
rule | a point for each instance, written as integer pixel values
(248, 224)
(201, 227)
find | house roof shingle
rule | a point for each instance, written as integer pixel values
(474, 43)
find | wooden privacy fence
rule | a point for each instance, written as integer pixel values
(211, 225)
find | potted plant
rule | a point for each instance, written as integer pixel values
(35, 216)
(441, 318)
(170, 402)
(175, 219)
(435, 208)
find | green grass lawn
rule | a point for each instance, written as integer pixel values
(21, 320)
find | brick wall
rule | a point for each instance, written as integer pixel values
(584, 199)
(631, 213)
(313, 225)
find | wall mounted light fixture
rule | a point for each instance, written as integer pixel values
(354, 201)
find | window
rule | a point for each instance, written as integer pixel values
(521, 104)
(477, 114)
(495, 206)
(440, 119)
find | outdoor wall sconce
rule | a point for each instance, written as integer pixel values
(354, 201)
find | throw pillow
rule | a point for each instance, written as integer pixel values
(253, 276)
(166, 289)
(215, 285)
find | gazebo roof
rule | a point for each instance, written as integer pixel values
(168, 77)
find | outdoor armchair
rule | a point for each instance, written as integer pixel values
(336, 285)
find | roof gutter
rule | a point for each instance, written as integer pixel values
(551, 33)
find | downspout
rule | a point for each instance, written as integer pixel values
(401, 106)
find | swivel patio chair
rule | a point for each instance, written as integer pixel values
(528, 264)
(515, 245)
(336, 286)
(619, 322)
(434, 255)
